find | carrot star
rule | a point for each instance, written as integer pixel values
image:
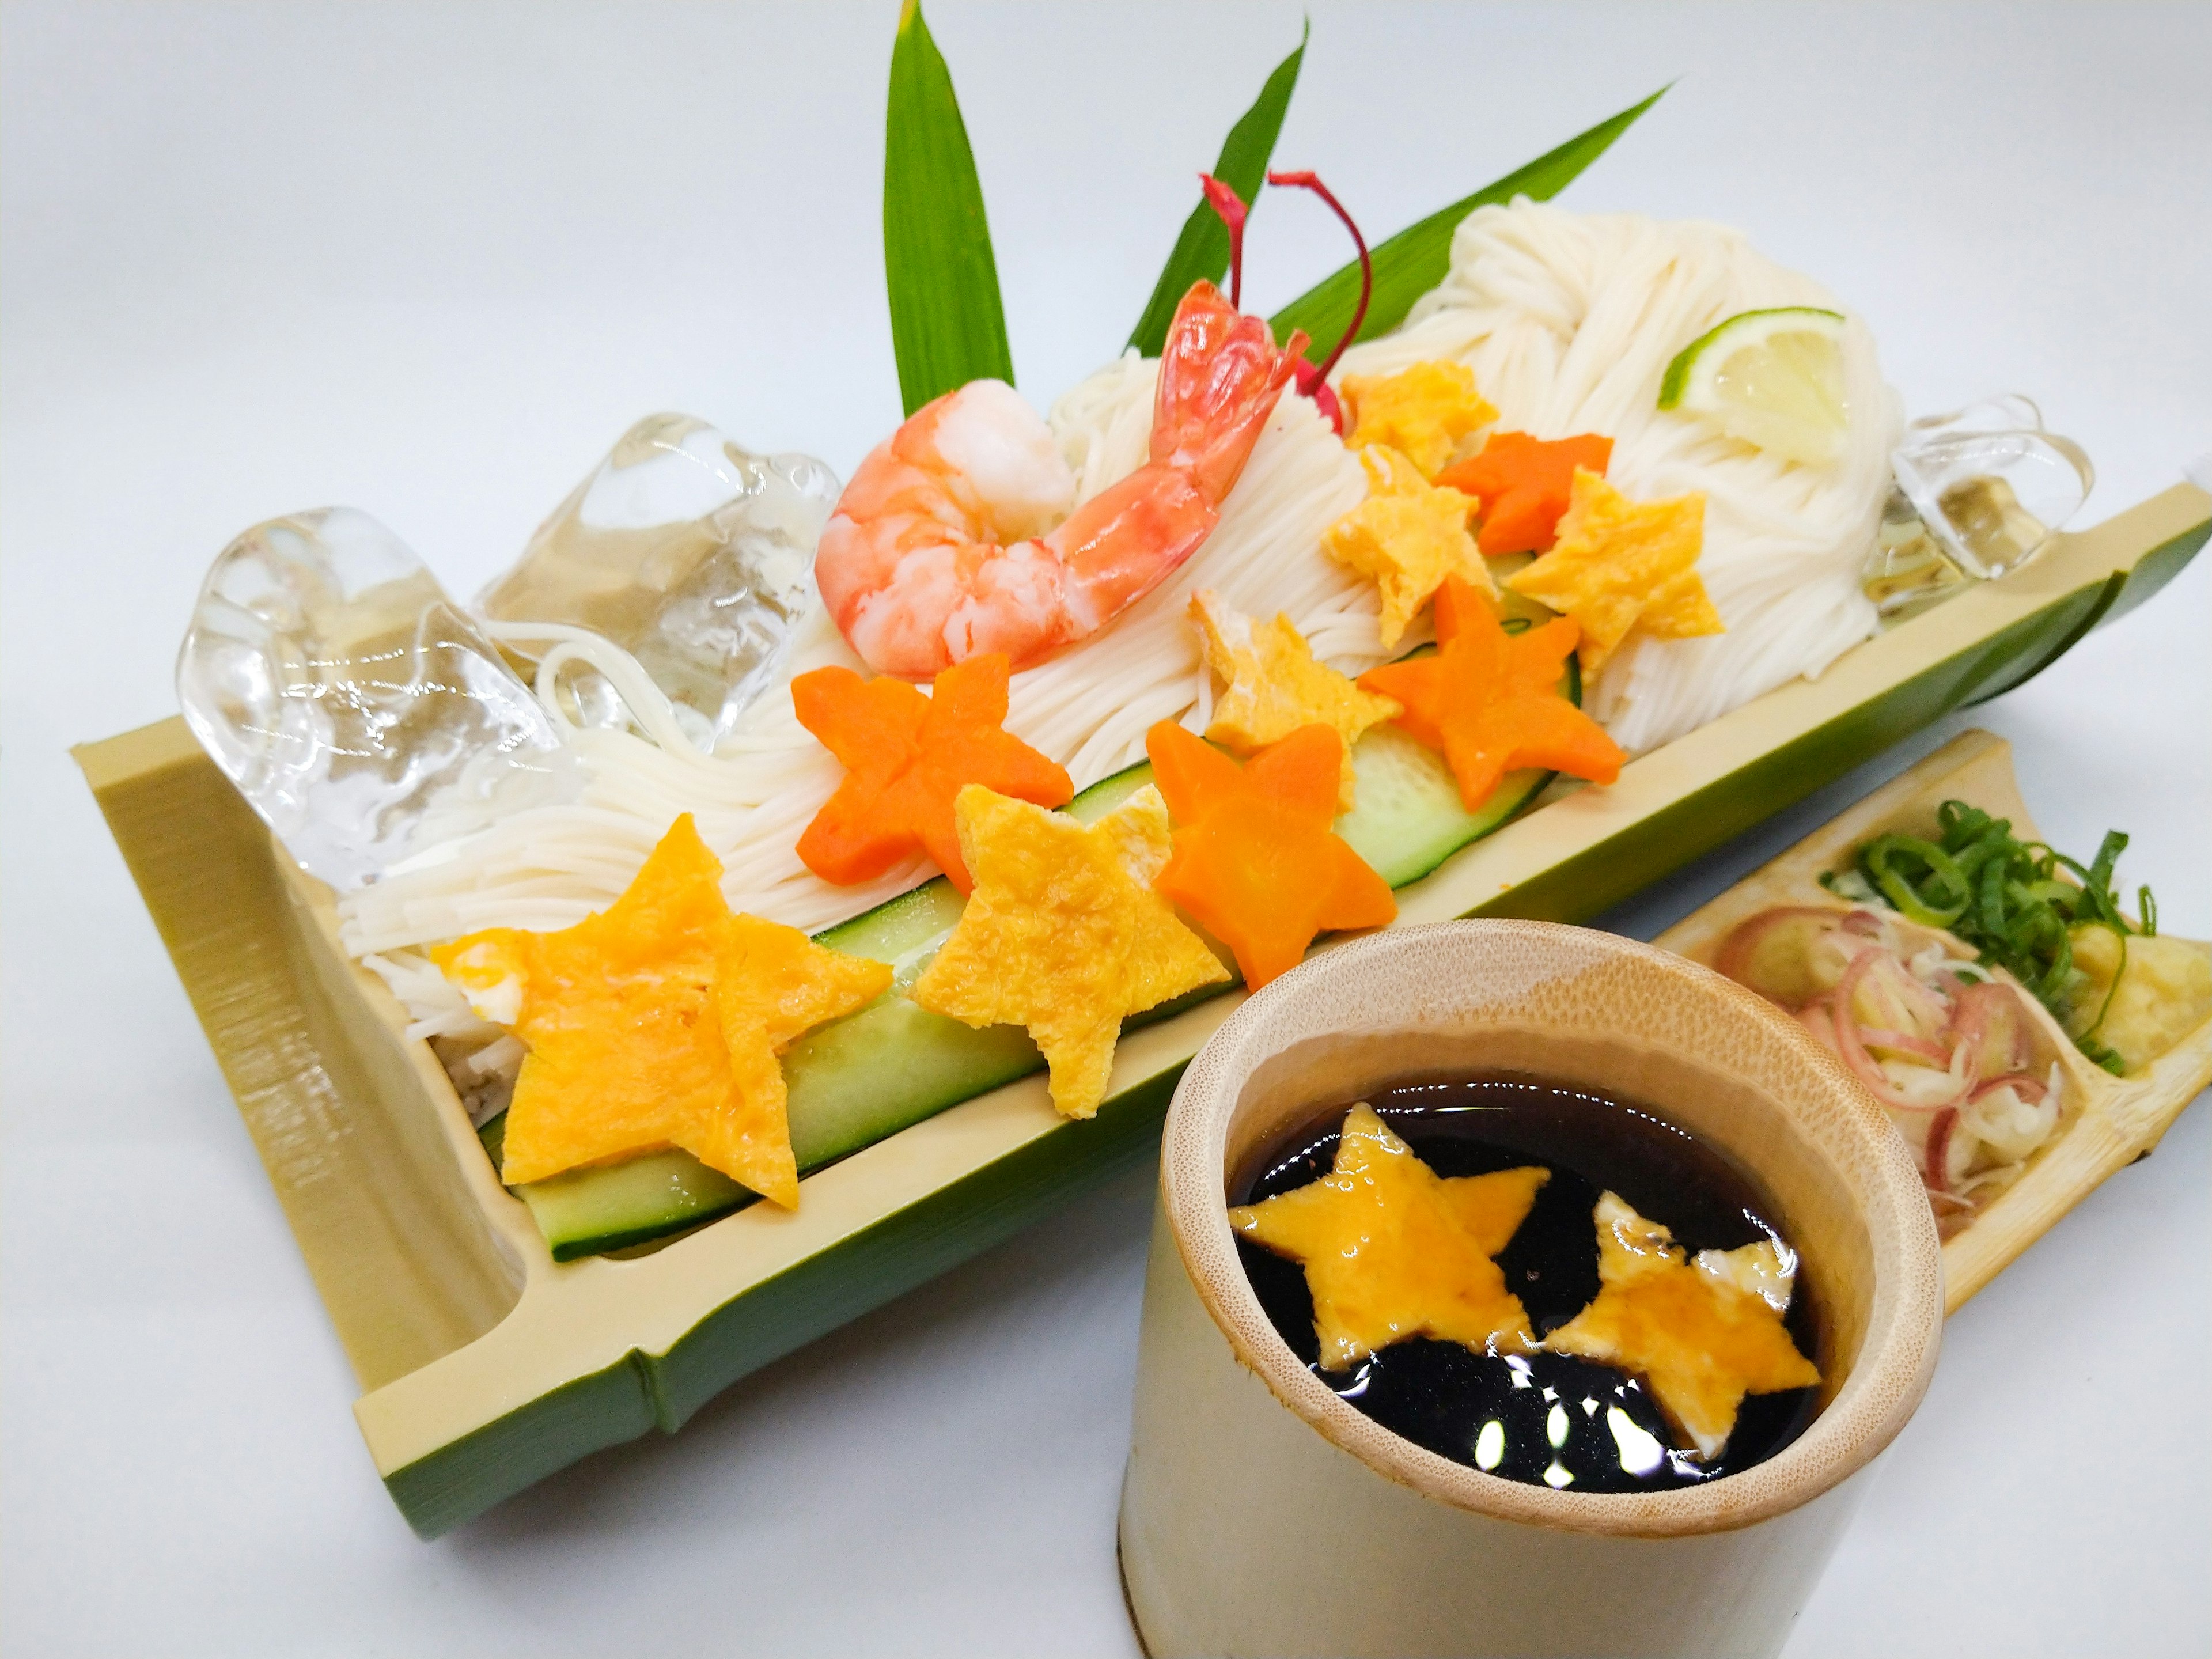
(1392, 1250)
(907, 757)
(1619, 564)
(657, 1021)
(1255, 860)
(1524, 484)
(1063, 934)
(1703, 1333)
(1490, 700)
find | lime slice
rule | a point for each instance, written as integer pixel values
(1771, 377)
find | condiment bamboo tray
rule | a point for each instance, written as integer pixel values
(485, 1365)
(2118, 1120)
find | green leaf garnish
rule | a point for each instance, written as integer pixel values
(947, 325)
(1415, 260)
(2005, 898)
(1201, 253)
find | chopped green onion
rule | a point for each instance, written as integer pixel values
(2007, 898)
(1880, 858)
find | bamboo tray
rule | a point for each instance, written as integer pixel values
(2119, 1120)
(485, 1365)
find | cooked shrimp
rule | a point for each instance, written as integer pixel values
(955, 536)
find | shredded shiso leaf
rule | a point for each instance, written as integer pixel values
(2005, 898)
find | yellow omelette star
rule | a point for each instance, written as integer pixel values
(1619, 564)
(1063, 934)
(1422, 411)
(1408, 535)
(1701, 1334)
(1392, 1250)
(657, 1023)
(1274, 687)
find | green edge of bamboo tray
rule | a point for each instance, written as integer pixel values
(868, 1268)
(905, 1248)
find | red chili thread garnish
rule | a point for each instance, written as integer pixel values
(1313, 380)
(1308, 180)
(1224, 201)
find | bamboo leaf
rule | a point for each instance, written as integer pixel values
(1415, 260)
(1202, 250)
(947, 325)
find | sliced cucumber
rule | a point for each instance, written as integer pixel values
(590, 1211)
(1407, 818)
(858, 1080)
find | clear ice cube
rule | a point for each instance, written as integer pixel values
(692, 553)
(360, 712)
(1977, 494)
(1989, 484)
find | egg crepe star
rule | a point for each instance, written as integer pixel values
(1256, 861)
(1274, 686)
(657, 1023)
(1408, 536)
(1423, 412)
(1063, 934)
(1619, 564)
(1702, 1335)
(1391, 1250)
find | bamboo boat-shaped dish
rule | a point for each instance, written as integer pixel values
(2115, 1120)
(486, 1365)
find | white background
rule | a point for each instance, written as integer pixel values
(430, 261)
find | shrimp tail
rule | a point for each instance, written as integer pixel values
(1220, 377)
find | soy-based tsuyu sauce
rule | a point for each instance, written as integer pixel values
(1538, 1417)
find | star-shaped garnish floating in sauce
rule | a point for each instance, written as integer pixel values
(1255, 860)
(1619, 564)
(1423, 412)
(657, 1023)
(1408, 535)
(1274, 686)
(1063, 934)
(1701, 1333)
(906, 757)
(1490, 701)
(1392, 1250)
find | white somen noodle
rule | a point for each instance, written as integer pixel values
(1568, 321)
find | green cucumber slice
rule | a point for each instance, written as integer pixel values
(892, 1063)
(1406, 818)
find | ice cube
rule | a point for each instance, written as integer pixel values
(359, 711)
(692, 554)
(1991, 484)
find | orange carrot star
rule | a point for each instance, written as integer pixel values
(906, 758)
(1255, 860)
(1524, 484)
(1490, 700)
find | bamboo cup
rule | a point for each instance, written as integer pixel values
(1262, 1514)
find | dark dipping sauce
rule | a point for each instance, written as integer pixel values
(1441, 1394)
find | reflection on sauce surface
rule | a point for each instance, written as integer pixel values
(1543, 1417)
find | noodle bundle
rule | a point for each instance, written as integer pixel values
(1568, 321)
